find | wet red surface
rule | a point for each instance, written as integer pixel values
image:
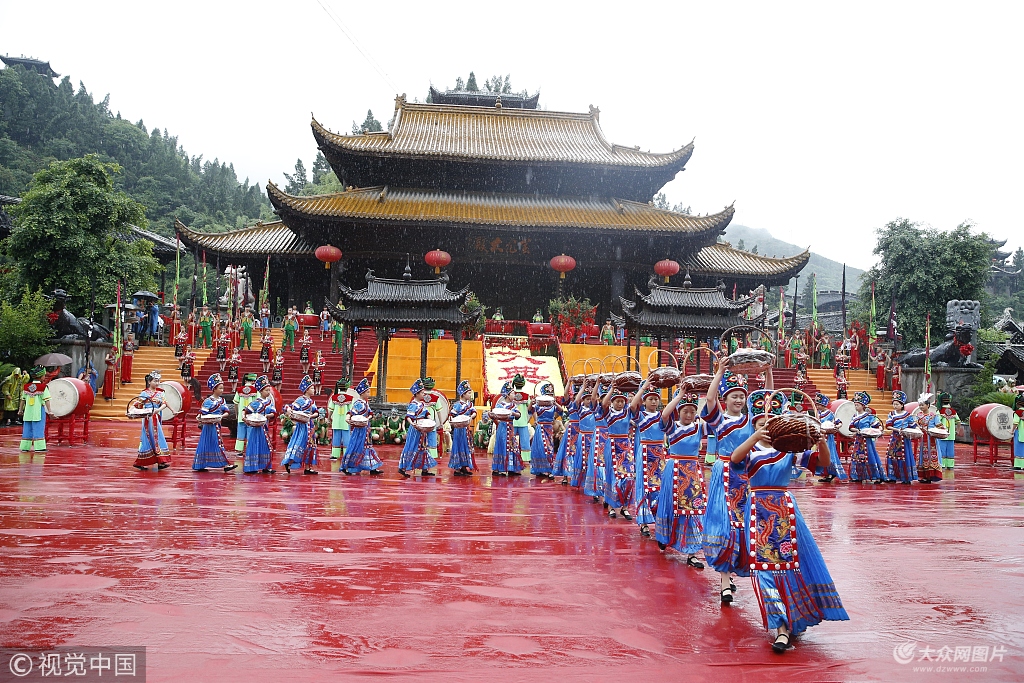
(227, 577)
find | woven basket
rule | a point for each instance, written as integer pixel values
(628, 382)
(795, 432)
(749, 361)
(698, 384)
(664, 377)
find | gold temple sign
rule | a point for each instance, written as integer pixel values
(480, 244)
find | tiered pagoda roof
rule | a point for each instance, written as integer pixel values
(723, 260)
(519, 151)
(684, 309)
(272, 237)
(478, 98)
(36, 65)
(405, 303)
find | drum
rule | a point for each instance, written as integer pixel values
(844, 411)
(913, 433)
(177, 399)
(441, 403)
(501, 414)
(255, 420)
(461, 421)
(938, 432)
(70, 396)
(992, 421)
(358, 420)
(545, 400)
(425, 425)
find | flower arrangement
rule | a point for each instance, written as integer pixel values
(570, 316)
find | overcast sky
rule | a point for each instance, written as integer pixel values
(823, 121)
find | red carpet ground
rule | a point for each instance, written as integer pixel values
(231, 577)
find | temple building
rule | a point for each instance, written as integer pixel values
(503, 187)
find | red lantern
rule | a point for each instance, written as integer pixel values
(666, 268)
(437, 259)
(328, 254)
(563, 264)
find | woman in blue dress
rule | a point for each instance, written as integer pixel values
(834, 467)
(257, 444)
(620, 475)
(210, 449)
(152, 444)
(416, 452)
(542, 448)
(900, 455)
(593, 478)
(507, 459)
(302, 444)
(648, 453)
(360, 455)
(791, 582)
(460, 459)
(587, 429)
(570, 438)
(865, 465)
(679, 522)
(725, 546)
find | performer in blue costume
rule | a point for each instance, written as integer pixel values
(257, 446)
(724, 544)
(587, 429)
(507, 459)
(360, 455)
(152, 443)
(791, 582)
(544, 410)
(460, 459)
(900, 455)
(648, 453)
(834, 467)
(570, 437)
(302, 444)
(593, 479)
(865, 465)
(619, 470)
(210, 449)
(679, 522)
(416, 452)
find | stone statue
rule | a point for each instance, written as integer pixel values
(963, 318)
(67, 326)
(244, 294)
(963, 314)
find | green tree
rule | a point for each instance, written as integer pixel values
(471, 85)
(69, 233)
(924, 268)
(25, 332)
(753, 249)
(298, 180)
(320, 167)
(741, 246)
(369, 125)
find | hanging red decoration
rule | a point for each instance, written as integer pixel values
(666, 268)
(328, 254)
(563, 264)
(437, 259)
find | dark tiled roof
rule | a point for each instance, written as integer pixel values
(708, 299)
(681, 322)
(723, 259)
(398, 316)
(478, 208)
(482, 99)
(488, 133)
(37, 65)
(1011, 362)
(161, 244)
(4, 199)
(383, 291)
(261, 239)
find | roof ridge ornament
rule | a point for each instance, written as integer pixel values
(407, 274)
(595, 112)
(497, 102)
(383, 195)
(687, 283)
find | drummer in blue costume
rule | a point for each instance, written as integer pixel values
(585, 403)
(593, 480)
(791, 582)
(570, 438)
(834, 467)
(507, 460)
(864, 463)
(724, 542)
(679, 522)
(900, 456)
(416, 452)
(648, 453)
(302, 444)
(460, 459)
(257, 445)
(620, 473)
(542, 449)
(360, 455)
(152, 443)
(210, 449)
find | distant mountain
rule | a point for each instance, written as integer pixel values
(829, 273)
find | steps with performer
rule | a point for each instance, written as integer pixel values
(146, 359)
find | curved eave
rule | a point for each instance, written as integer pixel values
(417, 207)
(381, 145)
(719, 259)
(256, 241)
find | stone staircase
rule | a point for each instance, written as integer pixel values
(860, 380)
(147, 358)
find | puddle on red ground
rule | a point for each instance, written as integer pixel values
(228, 577)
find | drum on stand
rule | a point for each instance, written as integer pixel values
(70, 396)
(992, 422)
(177, 399)
(844, 411)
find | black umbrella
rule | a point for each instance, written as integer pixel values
(143, 294)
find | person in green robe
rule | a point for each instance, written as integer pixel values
(206, 325)
(338, 329)
(248, 323)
